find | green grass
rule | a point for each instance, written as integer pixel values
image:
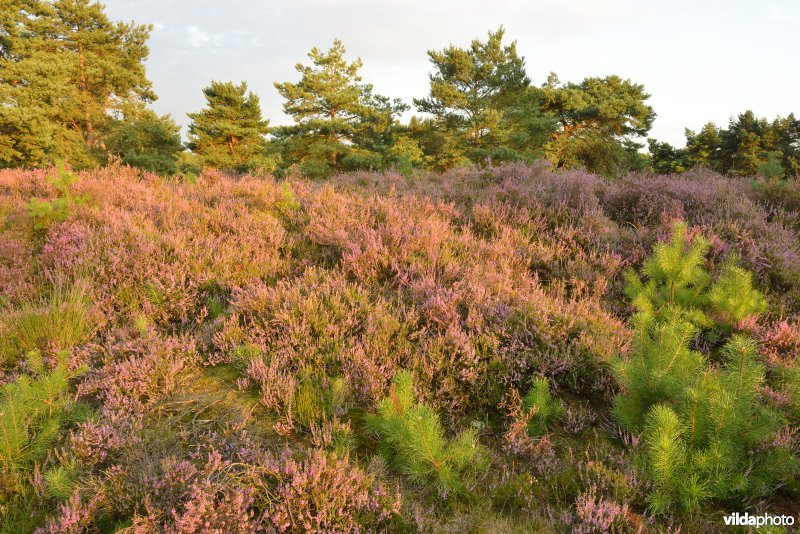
(58, 321)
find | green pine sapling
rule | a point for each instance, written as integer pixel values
(412, 440)
(46, 212)
(544, 407)
(701, 424)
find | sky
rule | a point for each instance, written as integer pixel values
(700, 60)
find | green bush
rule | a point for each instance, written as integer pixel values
(32, 411)
(676, 281)
(412, 441)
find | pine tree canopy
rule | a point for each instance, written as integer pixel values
(480, 100)
(339, 122)
(67, 70)
(229, 132)
(595, 117)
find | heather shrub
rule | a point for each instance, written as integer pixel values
(235, 316)
(333, 435)
(16, 268)
(230, 484)
(75, 514)
(130, 375)
(595, 515)
(318, 340)
(781, 342)
(326, 493)
(723, 207)
(412, 440)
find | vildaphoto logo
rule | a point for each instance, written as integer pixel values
(751, 520)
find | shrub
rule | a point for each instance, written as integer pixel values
(138, 372)
(412, 441)
(33, 412)
(598, 515)
(325, 493)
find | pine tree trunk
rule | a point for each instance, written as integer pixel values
(82, 84)
(333, 138)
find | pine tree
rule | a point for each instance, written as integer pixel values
(229, 132)
(481, 102)
(701, 424)
(33, 80)
(703, 147)
(339, 123)
(544, 407)
(146, 141)
(596, 117)
(412, 440)
(33, 410)
(666, 159)
(66, 71)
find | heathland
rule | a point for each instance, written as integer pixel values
(499, 349)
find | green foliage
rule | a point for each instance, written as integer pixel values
(229, 132)
(32, 411)
(701, 424)
(287, 204)
(659, 368)
(67, 69)
(665, 158)
(147, 141)
(482, 105)
(46, 212)
(60, 482)
(703, 147)
(597, 119)
(771, 169)
(412, 440)
(544, 407)
(340, 124)
(702, 446)
(676, 281)
(732, 298)
(59, 322)
(749, 146)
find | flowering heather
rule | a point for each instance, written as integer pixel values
(228, 339)
(596, 515)
(326, 494)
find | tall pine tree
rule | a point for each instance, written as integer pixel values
(599, 118)
(340, 124)
(229, 132)
(481, 103)
(66, 71)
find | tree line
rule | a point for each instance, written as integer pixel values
(73, 87)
